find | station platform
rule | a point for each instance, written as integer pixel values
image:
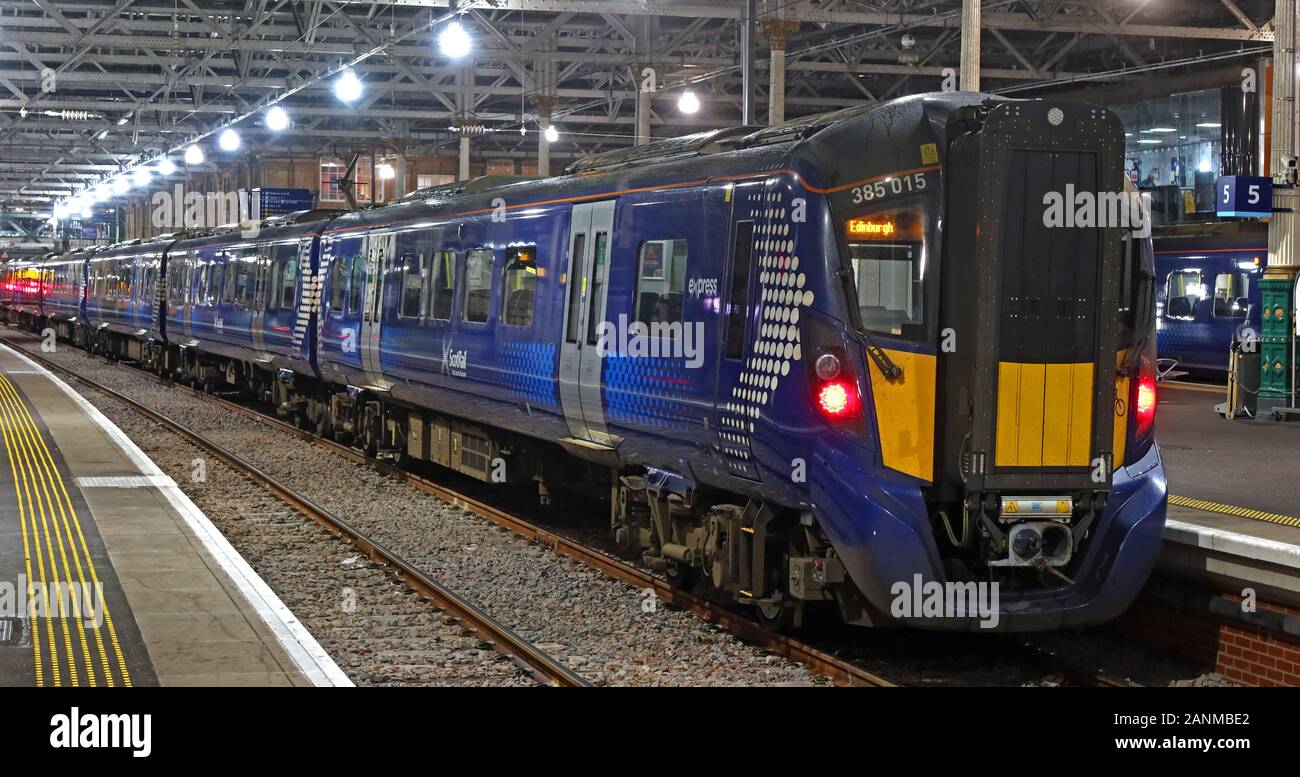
(110, 575)
(1234, 505)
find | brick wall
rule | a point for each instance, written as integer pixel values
(1238, 651)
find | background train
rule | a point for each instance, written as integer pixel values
(826, 363)
(1207, 282)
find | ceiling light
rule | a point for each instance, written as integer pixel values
(348, 87)
(166, 167)
(141, 177)
(386, 172)
(86, 212)
(1160, 129)
(229, 140)
(1209, 124)
(453, 41)
(1149, 140)
(552, 134)
(688, 102)
(121, 185)
(276, 118)
(193, 155)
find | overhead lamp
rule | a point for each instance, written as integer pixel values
(141, 176)
(453, 41)
(86, 212)
(229, 140)
(166, 167)
(688, 102)
(348, 87)
(1209, 125)
(121, 185)
(193, 155)
(552, 134)
(276, 118)
(386, 172)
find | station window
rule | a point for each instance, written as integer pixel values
(478, 284)
(887, 253)
(1183, 289)
(661, 281)
(442, 287)
(518, 285)
(1231, 295)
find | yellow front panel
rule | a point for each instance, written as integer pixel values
(905, 413)
(1029, 416)
(1044, 415)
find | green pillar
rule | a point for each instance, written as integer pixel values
(1277, 316)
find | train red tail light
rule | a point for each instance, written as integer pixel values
(1144, 401)
(837, 400)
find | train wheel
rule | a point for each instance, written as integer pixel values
(776, 617)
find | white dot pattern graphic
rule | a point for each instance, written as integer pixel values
(781, 293)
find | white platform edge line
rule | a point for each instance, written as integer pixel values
(1232, 542)
(306, 653)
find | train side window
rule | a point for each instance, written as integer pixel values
(478, 284)
(284, 277)
(442, 288)
(244, 281)
(357, 283)
(412, 264)
(1183, 289)
(1231, 295)
(338, 283)
(201, 285)
(518, 284)
(738, 301)
(575, 281)
(661, 281)
(599, 262)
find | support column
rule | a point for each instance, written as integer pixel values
(1277, 289)
(970, 45)
(643, 97)
(463, 175)
(747, 62)
(544, 105)
(777, 32)
(399, 174)
(466, 126)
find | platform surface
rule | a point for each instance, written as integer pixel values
(148, 593)
(1234, 512)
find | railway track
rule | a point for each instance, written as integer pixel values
(838, 670)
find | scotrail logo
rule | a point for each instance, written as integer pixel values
(96, 731)
(677, 339)
(932, 599)
(1073, 208)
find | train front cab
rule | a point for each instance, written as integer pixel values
(1019, 380)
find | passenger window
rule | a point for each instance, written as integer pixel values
(661, 281)
(338, 283)
(357, 284)
(1231, 295)
(575, 281)
(284, 277)
(201, 287)
(412, 265)
(1183, 289)
(444, 280)
(518, 285)
(478, 284)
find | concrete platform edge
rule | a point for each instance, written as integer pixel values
(302, 648)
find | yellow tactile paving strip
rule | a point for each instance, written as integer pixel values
(1240, 512)
(73, 650)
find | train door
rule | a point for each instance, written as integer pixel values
(580, 360)
(372, 310)
(257, 305)
(733, 428)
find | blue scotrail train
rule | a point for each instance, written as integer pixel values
(873, 359)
